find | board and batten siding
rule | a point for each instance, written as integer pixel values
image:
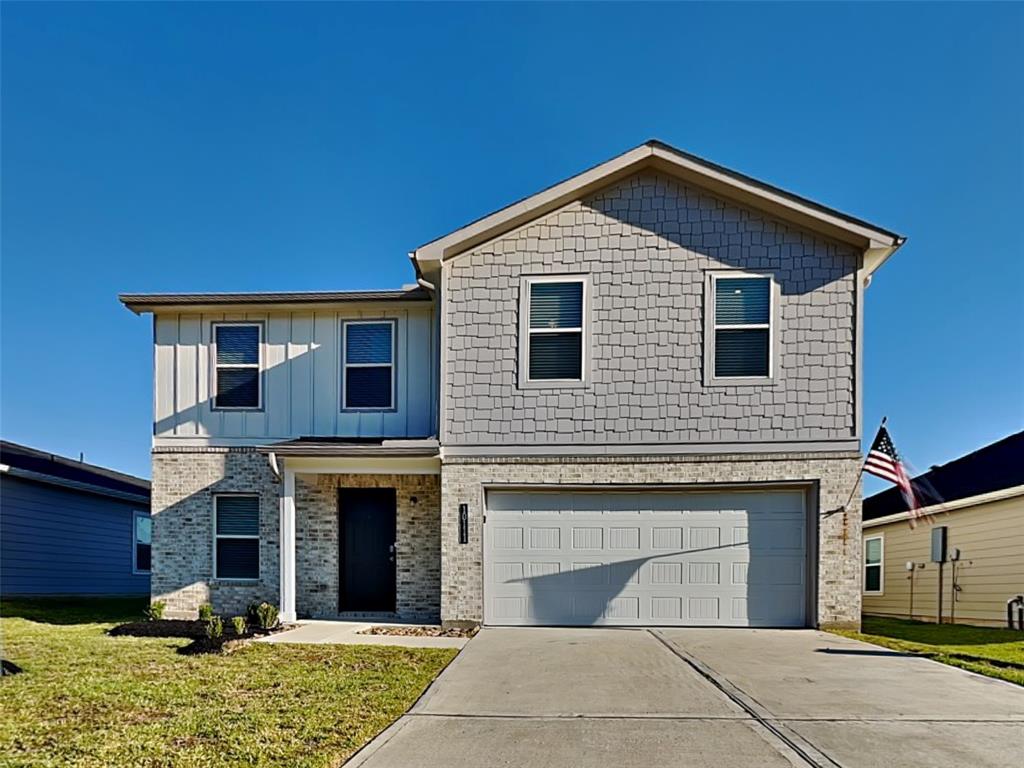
(300, 373)
(990, 538)
(56, 541)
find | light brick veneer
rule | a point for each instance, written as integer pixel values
(417, 550)
(838, 583)
(184, 484)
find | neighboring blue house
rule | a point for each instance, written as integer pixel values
(70, 528)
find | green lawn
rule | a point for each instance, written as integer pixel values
(993, 652)
(86, 699)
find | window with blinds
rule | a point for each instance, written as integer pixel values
(555, 331)
(368, 375)
(742, 327)
(237, 369)
(236, 537)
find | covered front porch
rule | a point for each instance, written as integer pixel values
(359, 531)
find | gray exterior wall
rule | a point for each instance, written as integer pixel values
(184, 484)
(647, 244)
(300, 378)
(828, 476)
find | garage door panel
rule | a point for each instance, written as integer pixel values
(590, 558)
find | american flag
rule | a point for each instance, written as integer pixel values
(883, 461)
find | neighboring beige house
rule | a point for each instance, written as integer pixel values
(983, 511)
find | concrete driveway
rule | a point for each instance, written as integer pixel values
(691, 697)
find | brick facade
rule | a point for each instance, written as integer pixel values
(647, 243)
(838, 570)
(184, 484)
(417, 550)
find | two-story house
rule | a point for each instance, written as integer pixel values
(632, 398)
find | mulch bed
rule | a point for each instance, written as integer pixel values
(195, 630)
(420, 631)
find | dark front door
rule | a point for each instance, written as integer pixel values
(366, 526)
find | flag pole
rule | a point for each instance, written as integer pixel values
(860, 474)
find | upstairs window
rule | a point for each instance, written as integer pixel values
(554, 346)
(873, 565)
(237, 372)
(368, 368)
(236, 553)
(143, 541)
(742, 327)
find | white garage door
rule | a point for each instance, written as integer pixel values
(735, 558)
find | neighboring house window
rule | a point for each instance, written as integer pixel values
(554, 345)
(236, 537)
(742, 327)
(873, 565)
(368, 367)
(143, 542)
(237, 372)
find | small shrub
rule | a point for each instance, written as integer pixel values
(266, 615)
(240, 625)
(252, 613)
(155, 610)
(214, 628)
(205, 612)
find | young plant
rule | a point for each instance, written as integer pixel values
(240, 625)
(214, 628)
(266, 615)
(155, 610)
(205, 612)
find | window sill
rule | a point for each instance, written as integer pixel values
(246, 409)
(240, 582)
(751, 381)
(554, 384)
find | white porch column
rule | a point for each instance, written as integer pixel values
(287, 536)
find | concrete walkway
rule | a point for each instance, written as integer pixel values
(348, 633)
(546, 698)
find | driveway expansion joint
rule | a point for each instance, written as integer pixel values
(791, 740)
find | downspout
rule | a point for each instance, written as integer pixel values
(273, 465)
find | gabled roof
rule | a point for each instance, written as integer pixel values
(32, 464)
(149, 302)
(879, 242)
(993, 468)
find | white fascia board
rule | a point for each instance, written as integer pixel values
(716, 180)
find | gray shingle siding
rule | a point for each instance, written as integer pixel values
(648, 243)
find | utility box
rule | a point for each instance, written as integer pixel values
(939, 544)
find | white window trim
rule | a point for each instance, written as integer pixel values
(528, 283)
(880, 565)
(345, 365)
(136, 514)
(258, 365)
(216, 537)
(715, 327)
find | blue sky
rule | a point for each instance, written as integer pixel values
(176, 147)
